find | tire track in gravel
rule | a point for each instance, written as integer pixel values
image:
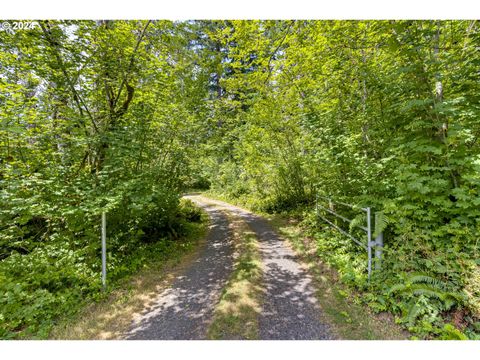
(290, 309)
(185, 309)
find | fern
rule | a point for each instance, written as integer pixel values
(423, 285)
(381, 222)
(427, 291)
(452, 298)
(396, 288)
(412, 312)
(425, 279)
(357, 221)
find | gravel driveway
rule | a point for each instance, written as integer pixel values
(290, 309)
(184, 310)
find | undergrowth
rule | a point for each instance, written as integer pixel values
(432, 290)
(52, 283)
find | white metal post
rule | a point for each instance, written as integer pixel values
(104, 249)
(378, 251)
(369, 239)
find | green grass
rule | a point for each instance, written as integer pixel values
(236, 315)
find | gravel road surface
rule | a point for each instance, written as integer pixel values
(184, 310)
(289, 307)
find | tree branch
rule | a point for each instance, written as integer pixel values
(276, 49)
(76, 96)
(130, 65)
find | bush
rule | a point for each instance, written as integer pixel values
(59, 263)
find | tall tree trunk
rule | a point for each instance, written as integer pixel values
(438, 100)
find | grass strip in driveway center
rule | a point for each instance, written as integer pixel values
(236, 315)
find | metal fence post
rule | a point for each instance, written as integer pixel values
(104, 250)
(378, 251)
(369, 239)
(371, 246)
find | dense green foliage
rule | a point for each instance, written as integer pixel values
(94, 118)
(122, 115)
(374, 113)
